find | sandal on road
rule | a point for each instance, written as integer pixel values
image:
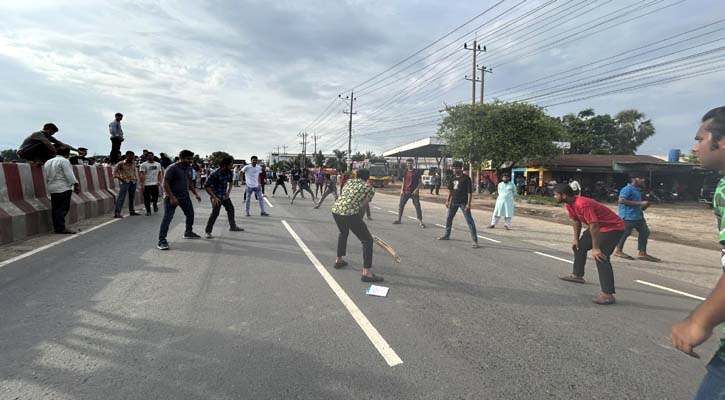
(603, 299)
(572, 278)
(649, 258)
(371, 278)
(340, 264)
(623, 255)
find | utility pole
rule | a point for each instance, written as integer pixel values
(476, 48)
(484, 71)
(352, 99)
(314, 138)
(303, 135)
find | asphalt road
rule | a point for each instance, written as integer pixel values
(248, 316)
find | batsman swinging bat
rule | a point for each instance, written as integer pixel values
(388, 249)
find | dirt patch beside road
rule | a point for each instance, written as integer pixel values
(690, 223)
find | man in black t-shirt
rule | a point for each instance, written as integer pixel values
(281, 179)
(460, 192)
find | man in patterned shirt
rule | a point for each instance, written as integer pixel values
(348, 213)
(690, 333)
(219, 185)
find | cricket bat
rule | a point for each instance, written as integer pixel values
(388, 249)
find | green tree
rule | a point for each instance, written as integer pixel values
(339, 161)
(9, 155)
(603, 134)
(632, 130)
(216, 157)
(692, 158)
(358, 156)
(319, 159)
(505, 133)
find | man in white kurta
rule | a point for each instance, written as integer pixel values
(504, 202)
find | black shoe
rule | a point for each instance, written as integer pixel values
(156, 208)
(148, 213)
(66, 232)
(444, 238)
(372, 279)
(340, 264)
(236, 229)
(264, 214)
(396, 222)
(474, 245)
(163, 245)
(117, 216)
(248, 215)
(191, 235)
(134, 213)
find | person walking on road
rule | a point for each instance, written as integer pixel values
(235, 176)
(348, 215)
(505, 204)
(435, 183)
(303, 185)
(127, 174)
(331, 189)
(219, 185)
(295, 173)
(60, 182)
(631, 210)
(281, 179)
(460, 194)
(319, 183)
(116, 132)
(698, 327)
(605, 229)
(410, 190)
(262, 177)
(177, 183)
(251, 175)
(151, 176)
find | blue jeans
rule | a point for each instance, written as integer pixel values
(186, 206)
(641, 227)
(452, 210)
(251, 190)
(126, 187)
(713, 385)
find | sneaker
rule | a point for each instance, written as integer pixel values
(475, 245)
(148, 213)
(134, 213)
(491, 227)
(208, 235)
(236, 229)
(117, 216)
(156, 208)
(506, 227)
(248, 215)
(264, 214)
(163, 245)
(372, 278)
(191, 235)
(421, 224)
(396, 222)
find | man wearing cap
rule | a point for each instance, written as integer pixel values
(81, 158)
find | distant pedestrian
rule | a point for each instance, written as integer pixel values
(127, 174)
(575, 186)
(410, 190)
(116, 132)
(281, 179)
(81, 158)
(303, 186)
(330, 190)
(698, 327)
(262, 177)
(631, 210)
(348, 215)
(164, 160)
(151, 175)
(251, 175)
(295, 173)
(42, 146)
(60, 182)
(435, 183)
(235, 176)
(219, 186)
(177, 183)
(505, 204)
(460, 195)
(605, 229)
(319, 182)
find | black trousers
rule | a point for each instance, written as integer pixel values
(416, 202)
(38, 151)
(186, 206)
(228, 206)
(115, 149)
(283, 187)
(354, 223)
(150, 195)
(300, 188)
(608, 241)
(60, 204)
(319, 189)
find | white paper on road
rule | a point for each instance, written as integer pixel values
(380, 291)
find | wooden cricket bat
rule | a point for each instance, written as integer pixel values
(388, 249)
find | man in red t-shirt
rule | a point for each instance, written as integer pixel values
(409, 190)
(605, 230)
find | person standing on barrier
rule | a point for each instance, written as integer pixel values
(460, 194)
(219, 186)
(127, 174)
(151, 176)
(177, 184)
(408, 191)
(605, 229)
(114, 128)
(60, 182)
(348, 215)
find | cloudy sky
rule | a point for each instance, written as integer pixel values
(247, 76)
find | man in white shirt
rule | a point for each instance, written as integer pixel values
(151, 175)
(114, 128)
(60, 182)
(251, 175)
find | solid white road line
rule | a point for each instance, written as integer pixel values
(442, 226)
(554, 257)
(412, 217)
(57, 242)
(268, 203)
(671, 290)
(377, 340)
(393, 212)
(489, 239)
(377, 208)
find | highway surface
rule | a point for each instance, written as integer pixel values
(262, 314)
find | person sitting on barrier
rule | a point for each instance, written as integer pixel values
(60, 182)
(41, 146)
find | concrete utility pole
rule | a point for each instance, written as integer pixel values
(476, 48)
(303, 135)
(314, 138)
(484, 71)
(352, 99)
